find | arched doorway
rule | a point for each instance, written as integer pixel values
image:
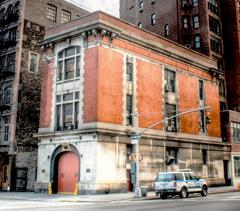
(68, 169)
(65, 170)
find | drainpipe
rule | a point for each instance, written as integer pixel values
(14, 108)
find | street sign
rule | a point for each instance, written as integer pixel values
(135, 139)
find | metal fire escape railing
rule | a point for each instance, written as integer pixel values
(7, 71)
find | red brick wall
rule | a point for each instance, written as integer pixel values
(110, 86)
(212, 100)
(149, 93)
(188, 99)
(90, 85)
(46, 96)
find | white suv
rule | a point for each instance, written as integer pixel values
(179, 183)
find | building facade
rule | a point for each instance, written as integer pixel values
(210, 27)
(105, 70)
(22, 26)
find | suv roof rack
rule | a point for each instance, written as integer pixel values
(184, 170)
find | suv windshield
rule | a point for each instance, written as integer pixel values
(165, 177)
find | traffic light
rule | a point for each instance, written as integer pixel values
(208, 118)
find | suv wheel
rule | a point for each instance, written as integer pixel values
(163, 196)
(184, 193)
(204, 191)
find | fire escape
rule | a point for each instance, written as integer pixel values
(8, 19)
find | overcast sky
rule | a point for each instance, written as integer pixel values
(109, 6)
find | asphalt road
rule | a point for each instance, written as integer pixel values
(215, 202)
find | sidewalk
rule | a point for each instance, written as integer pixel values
(30, 196)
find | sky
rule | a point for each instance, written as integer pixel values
(109, 6)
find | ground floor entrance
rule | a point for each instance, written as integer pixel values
(68, 170)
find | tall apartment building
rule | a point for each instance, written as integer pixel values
(210, 27)
(104, 70)
(22, 26)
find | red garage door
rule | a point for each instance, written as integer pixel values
(68, 169)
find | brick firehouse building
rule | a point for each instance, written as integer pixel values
(101, 70)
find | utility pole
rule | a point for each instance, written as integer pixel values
(136, 138)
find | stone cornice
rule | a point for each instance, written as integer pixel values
(100, 28)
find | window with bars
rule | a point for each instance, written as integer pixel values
(67, 111)
(66, 16)
(51, 12)
(69, 62)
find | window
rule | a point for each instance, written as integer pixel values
(69, 63)
(201, 90)
(67, 111)
(235, 131)
(166, 30)
(171, 155)
(237, 166)
(185, 3)
(216, 45)
(140, 25)
(5, 128)
(185, 22)
(129, 72)
(213, 6)
(196, 22)
(66, 16)
(153, 19)
(7, 93)
(171, 124)
(12, 34)
(170, 79)
(195, 3)
(11, 62)
(129, 108)
(223, 106)
(214, 25)
(33, 63)
(202, 122)
(197, 41)
(141, 6)
(222, 88)
(204, 157)
(51, 12)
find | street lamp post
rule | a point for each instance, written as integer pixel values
(136, 138)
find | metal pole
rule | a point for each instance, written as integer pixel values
(137, 185)
(137, 137)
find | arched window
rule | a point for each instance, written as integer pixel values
(7, 95)
(69, 63)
